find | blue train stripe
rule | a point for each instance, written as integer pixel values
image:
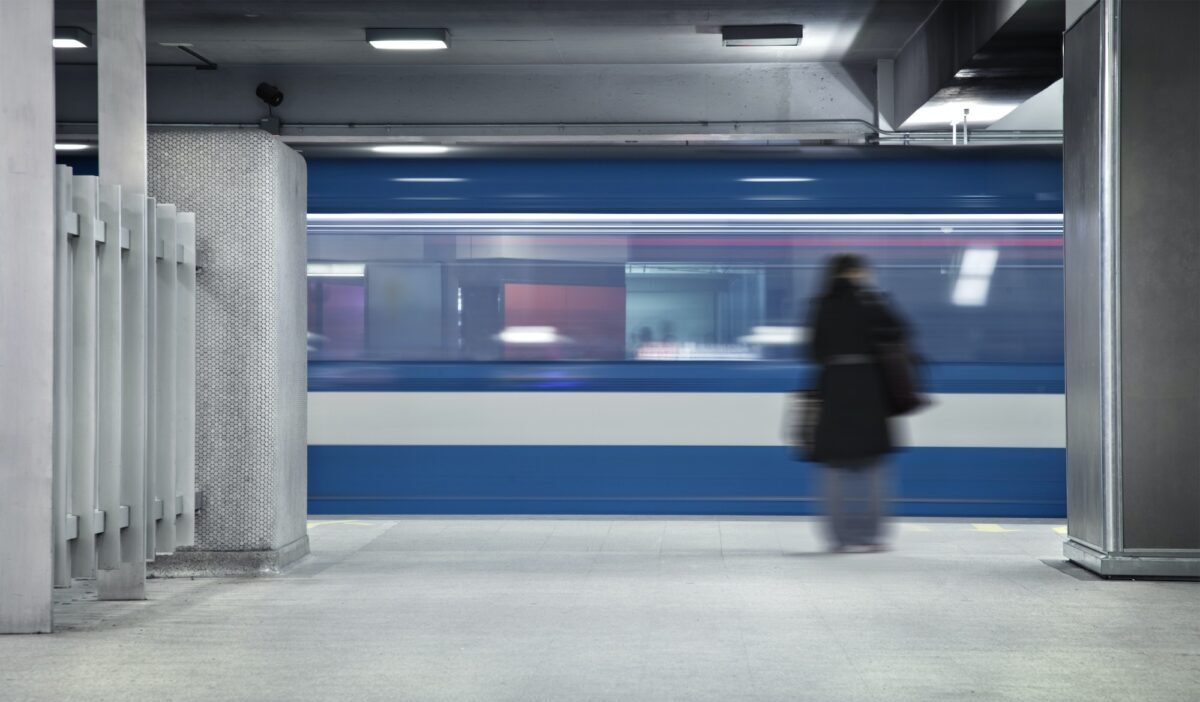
(993, 482)
(771, 377)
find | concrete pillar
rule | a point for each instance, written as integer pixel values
(249, 193)
(26, 313)
(121, 37)
(1132, 169)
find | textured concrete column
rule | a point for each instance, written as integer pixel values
(249, 194)
(121, 46)
(1132, 165)
(26, 313)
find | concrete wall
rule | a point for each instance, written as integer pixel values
(249, 194)
(26, 313)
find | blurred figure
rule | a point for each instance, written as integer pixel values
(850, 321)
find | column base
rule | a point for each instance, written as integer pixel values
(227, 564)
(1185, 565)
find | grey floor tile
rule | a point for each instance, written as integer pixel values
(630, 609)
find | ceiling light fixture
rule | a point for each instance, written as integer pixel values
(411, 39)
(762, 34)
(71, 147)
(72, 38)
(411, 149)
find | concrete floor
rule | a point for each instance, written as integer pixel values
(579, 609)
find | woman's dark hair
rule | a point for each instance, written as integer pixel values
(841, 264)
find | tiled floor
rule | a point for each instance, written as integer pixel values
(630, 609)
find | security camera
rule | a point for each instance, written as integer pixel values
(269, 94)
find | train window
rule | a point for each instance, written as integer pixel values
(497, 288)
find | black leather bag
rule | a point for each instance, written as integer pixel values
(901, 379)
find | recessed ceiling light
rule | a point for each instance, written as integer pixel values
(762, 34)
(71, 38)
(411, 149)
(71, 147)
(410, 39)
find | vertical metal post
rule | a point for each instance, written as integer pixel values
(121, 46)
(83, 496)
(26, 314)
(134, 351)
(109, 255)
(167, 277)
(185, 373)
(1110, 274)
(66, 226)
(150, 260)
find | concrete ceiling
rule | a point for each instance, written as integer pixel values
(511, 32)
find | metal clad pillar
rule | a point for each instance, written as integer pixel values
(121, 46)
(1132, 164)
(26, 313)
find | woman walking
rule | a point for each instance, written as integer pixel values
(850, 322)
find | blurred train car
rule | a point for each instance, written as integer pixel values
(617, 335)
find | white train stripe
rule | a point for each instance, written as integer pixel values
(652, 419)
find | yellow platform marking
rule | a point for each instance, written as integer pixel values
(356, 522)
(991, 528)
(915, 527)
(1060, 530)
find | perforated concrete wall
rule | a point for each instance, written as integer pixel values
(249, 193)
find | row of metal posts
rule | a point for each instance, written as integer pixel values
(124, 378)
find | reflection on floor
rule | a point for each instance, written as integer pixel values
(628, 609)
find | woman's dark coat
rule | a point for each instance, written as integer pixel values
(848, 323)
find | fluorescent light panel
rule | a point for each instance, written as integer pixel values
(528, 335)
(409, 39)
(430, 180)
(778, 180)
(337, 270)
(775, 336)
(970, 291)
(762, 34)
(71, 38)
(71, 147)
(978, 262)
(411, 149)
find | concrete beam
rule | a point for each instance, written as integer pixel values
(26, 314)
(496, 95)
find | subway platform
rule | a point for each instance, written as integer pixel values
(630, 609)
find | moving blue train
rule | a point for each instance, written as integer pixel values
(619, 336)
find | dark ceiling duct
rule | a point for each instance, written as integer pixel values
(991, 54)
